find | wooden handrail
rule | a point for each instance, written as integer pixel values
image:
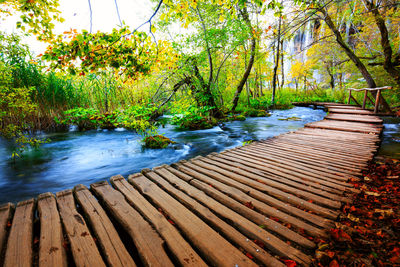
(378, 96)
(370, 89)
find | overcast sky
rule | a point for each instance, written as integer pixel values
(104, 17)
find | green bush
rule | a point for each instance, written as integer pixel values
(194, 119)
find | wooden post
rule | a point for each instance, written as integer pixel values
(348, 101)
(377, 100)
(365, 98)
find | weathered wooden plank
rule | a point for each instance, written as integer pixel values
(83, 247)
(212, 178)
(343, 126)
(289, 198)
(322, 164)
(336, 152)
(274, 181)
(210, 243)
(147, 241)
(318, 159)
(182, 251)
(354, 118)
(271, 241)
(51, 249)
(318, 151)
(5, 217)
(291, 164)
(285, 172)
(271, 179)
(112, 247)
(206, 215)
(357, 151)
(353, 146)
(350, 111)
(279, 204)
(19, 245)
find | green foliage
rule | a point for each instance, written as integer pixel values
(138, 118)
(15, 109)
(157, 141)
(251, 112)
(36, 16)
(128, 54)
(194, 118)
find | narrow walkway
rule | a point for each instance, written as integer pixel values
(259, 204)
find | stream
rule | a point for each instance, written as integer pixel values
(74, 157)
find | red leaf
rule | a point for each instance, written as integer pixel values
(249, 205)
(249, 255)
(334, 263)
(290, 263)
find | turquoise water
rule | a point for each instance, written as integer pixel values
(76, 157)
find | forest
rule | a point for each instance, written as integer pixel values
(230, 59)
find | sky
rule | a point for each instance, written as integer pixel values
(104, 17)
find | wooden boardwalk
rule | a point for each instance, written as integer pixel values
(259, 204)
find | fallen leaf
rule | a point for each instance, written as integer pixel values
(290, 263)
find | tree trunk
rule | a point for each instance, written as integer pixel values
(274, 78)
(388, 64)
(361, 67)
(282, 67)
(242, 82)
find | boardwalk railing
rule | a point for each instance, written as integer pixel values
(378, 98)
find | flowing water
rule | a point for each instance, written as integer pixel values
(390, 145)
(74, 157)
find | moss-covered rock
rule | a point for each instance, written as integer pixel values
(256, 113)
(157, 141)
(290, 119)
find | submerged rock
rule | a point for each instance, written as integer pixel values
(157, 141)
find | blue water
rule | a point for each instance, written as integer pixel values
(74, 157)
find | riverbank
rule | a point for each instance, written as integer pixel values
(367, 233)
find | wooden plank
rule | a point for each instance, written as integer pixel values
(350, 111)
(211, 177)
(354, 118)
(51, 249)
(291, 164)
(318, 150)
(279, 156)
(19, 245)
(210, 243)
(279, 204)
(182, 251)
(272, 180)
(270, 168)
(5, 217)
(262, 177)
(335, 153)
(321, 151)
(306, 158)
(147, 241)
(83, 247)
(206, 215)
(324, 159)
(354, 146)
(289, 198)
(111, 245)
(342, 127)
(273, 243)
